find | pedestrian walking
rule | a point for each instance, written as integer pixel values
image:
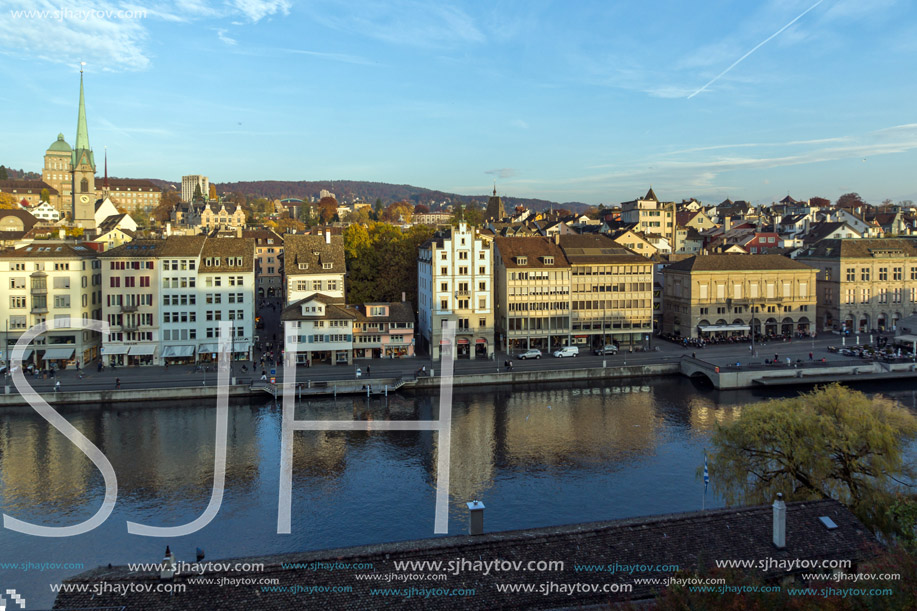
(57, 386)
(810, 356)
(117, 383)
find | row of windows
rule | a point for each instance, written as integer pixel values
(231, 315)
(612, 304)
(318, 339)
(315, 285)
(866, 272)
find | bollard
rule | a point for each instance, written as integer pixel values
(233, 381)
(7, 388)
(604, 363)
(386, 390)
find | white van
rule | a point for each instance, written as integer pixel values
(566, 351)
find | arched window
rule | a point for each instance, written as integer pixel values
(84, 186)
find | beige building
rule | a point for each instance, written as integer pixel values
(56, 173)
(611, 292)
(268, 262)
(314, 264)
(45, 282)
(455, 282)
(133, 194)
(728, 295)
(649, 215)
(221, 216)
(532, 294)
(864, 284)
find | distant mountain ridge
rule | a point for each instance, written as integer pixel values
(371, 191)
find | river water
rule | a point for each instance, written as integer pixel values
(535, 456)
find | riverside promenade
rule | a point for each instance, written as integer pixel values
(137, 384)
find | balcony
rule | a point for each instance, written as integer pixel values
(39, 309)
(462, 293)
(129, 307)
(39, 290)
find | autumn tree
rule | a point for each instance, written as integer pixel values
(4, 175)
(382, 261)
(850, 200)
(290, 225)
(821, 202)
(378, 206)
(421, 209)
(213, 192)
(45, 195)
(8, 202)
(167, 202)
(360, 216)
(327, 209)
(470, 213)
(198, 194)
(398, 212)
(830, 443)
(305, 214)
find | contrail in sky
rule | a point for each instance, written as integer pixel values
(758, 46)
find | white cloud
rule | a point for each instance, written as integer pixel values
(221, 34)
(256, 10)
(502, 172)
(106, 43)
(403, 22)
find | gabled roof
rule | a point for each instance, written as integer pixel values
(173, 246)
(734, 262)
(861, 248)
(820, 231)
(22, 185)
(398, 311)
(534, 249)
(590, 248)
(228, 250)
(49, 250)
(334, 309)
(314, 252)
(651, 196)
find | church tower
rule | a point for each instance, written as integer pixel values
(495, 210)
(83, 169)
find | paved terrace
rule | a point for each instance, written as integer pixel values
(187, 376)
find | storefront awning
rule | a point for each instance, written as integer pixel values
(240, 347)
(143, 350)
(115, 349)
(209, 348)
(175, 352)
(462, 341)
(444, 342)
(25, 353)
(711, 328)
(55, 354)
(480, 340)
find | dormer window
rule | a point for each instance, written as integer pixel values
(548, 260)
(303, 266)
(520, 260)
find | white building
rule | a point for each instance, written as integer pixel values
(455, 282)
(165, 298)
(45, 212)
(188, 184)
(45, 282)
(314, 264)
(322, 328)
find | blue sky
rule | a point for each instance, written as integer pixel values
(584, 101)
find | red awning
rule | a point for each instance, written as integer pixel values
(480, 341)
(462, 341)
(444, 342)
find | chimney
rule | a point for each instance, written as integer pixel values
(61, 233)
(557, 238)
(168, 229)
(727, 223)
(239, 231)
(404, 296)
(476, 524)
(327, 235)
(167, 572)
(779, 522)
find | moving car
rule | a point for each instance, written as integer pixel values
(566, 351)
(532, 353)
(607, 349)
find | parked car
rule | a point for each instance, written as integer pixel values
(566, 351)
(532, 353)
(607, 349)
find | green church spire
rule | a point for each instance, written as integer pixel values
(82, 132)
